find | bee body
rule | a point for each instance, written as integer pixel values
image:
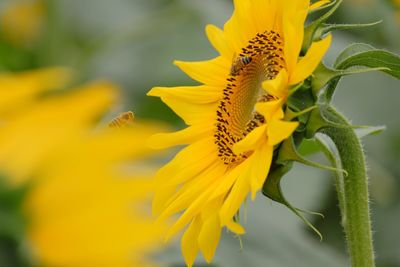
(239, 64)
(122, 120)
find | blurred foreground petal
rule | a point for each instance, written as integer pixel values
(88, 183)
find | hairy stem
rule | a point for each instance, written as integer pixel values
(353, 191)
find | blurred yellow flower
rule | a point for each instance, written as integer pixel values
(21, 89)
(88, 185)
(235, 118)
(22, 21)
(397, 10)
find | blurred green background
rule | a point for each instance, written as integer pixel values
(134, 42)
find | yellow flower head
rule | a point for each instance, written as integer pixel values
(21, 21)
(397, 10)
(235, 118)
(87, 185)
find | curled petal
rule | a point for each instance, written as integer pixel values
(310, 61)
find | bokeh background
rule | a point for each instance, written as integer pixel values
(134, 42)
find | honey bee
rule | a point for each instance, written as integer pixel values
(238, 64)
(122, 120)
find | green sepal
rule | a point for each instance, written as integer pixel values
(318, 121)
(321, 76)
(272, 189)
(311, 212)
(290, 114)
(288, 152)
(308, 147)
(369, 130)
(301, 98)
(295, 88)
(299, 106)
(327, 28)
(312, 32)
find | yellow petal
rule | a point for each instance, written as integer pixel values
(310, 61)
(318, 4)
(161, 198)
(293, 26)
(53, 122)
(209, 237)
(229, 179)
(190, 213)
(270, 108)
(261, 21)
(218, 40)
(191, 113)
(251, 141)
(261, 162)
(193, 167)
(189, 243)
(235, 227)
(211, 72)
(16, 90)
(203, 146)
(192, 103)
(190, 193)
(235, 198)
(280, 130)
(167, 177)
(277, 87)
(194, 94)
(188, 135)
(240, 28)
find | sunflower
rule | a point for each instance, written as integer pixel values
(235, 118)
(87, 184)
(396, 4)
(21, 21)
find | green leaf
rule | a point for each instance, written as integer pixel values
(323, 75)
(366, 55)
(352, 60)
(374, 59)
(352, 50)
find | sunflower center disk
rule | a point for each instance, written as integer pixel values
(260, 60)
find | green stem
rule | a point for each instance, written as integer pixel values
(353, 191)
